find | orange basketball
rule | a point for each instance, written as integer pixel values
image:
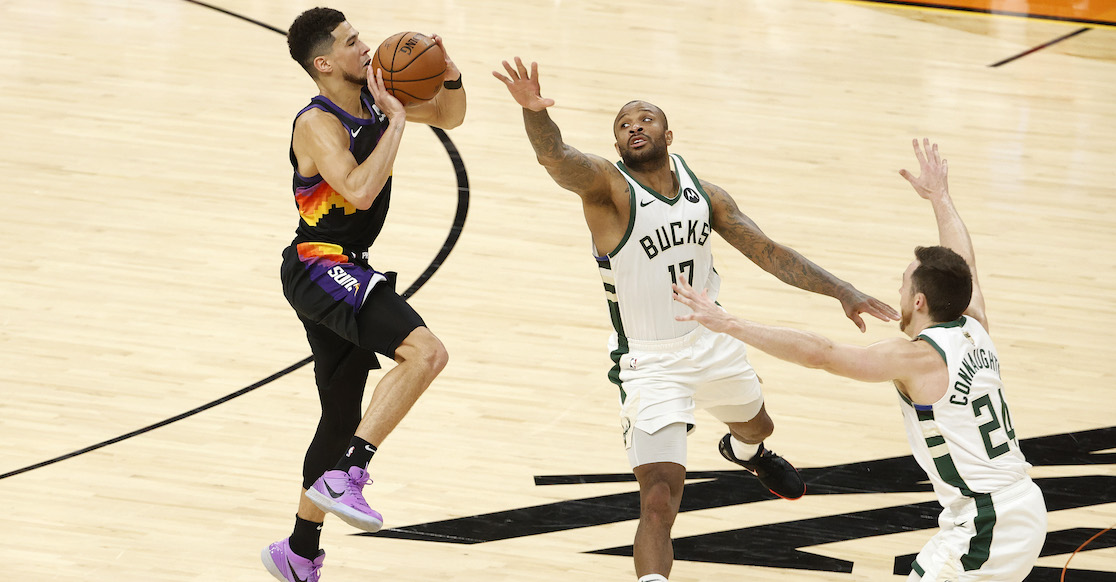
(413, 66)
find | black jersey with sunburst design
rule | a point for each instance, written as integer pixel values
(325, 216)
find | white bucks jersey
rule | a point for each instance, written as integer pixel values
(667, 240)
(965, 441)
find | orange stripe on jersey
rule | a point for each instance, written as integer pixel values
(316, 201)
(309, 252)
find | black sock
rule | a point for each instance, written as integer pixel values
(304, 540)
(359, 454)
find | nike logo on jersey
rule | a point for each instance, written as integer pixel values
(642, 204)
(355, 131)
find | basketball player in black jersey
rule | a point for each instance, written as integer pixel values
(343, 147)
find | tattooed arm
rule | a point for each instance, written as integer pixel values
(787, 264)
(587, 175)
(591, 177)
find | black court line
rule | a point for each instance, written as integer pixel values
(240, 16)
(1040, 47)
(447, 246)
(1003, 13)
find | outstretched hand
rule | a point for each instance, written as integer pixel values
(705, 311)
(524, 86)
(854, 303)
(933, 171)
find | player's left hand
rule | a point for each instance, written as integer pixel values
(854, 303)
(452, 72)
(706, 312)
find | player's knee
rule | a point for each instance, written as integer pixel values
(434, 356)
(425, 348)
(438, 357)
(755, 430)
(657, 506)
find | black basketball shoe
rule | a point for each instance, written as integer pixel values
(773, 471)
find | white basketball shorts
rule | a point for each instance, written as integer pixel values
(663, 382)
(996, 537)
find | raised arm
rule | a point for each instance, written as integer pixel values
(321, 145)
(591, 177)
(932, 183)
(787, 264)
(447, 109)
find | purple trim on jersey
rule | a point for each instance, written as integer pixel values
(924, 407)
(342, 280)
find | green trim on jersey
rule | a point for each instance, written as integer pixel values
(917, 568)
(614, 372)
(981, 543)
(704, 194)
(955, 323)
(631, 222)
(934, 345)
(650, 191)
(617, 324)
(939, 451)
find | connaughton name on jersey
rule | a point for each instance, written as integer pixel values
(675, 234)
(974, 361)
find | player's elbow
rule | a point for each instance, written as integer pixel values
(548, 161)
(823, 356)
(817, 356)
(817, 359)
(455, 120)
(363, 199)
(451, 121)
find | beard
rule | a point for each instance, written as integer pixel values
(648, 157)
(354, 79)
(904, 320)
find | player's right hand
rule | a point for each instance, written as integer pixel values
(524, 86)
(933, 179)
(388, 104)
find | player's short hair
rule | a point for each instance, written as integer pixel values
(945, 279)
(662, 114)
(311, 36)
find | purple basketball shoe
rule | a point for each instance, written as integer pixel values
(339, 493)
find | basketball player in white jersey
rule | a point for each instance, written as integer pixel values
(651, 220)
(993, 522)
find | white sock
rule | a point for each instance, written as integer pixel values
(653, 578)
(743, 450)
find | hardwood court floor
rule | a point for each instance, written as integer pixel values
(144, 148)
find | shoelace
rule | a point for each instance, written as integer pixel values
(355, 488)
(315, 566)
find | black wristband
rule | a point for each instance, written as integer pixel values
(455, 84)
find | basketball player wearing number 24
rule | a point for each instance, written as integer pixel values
(948, 377)
(650, 219)
(343, 148)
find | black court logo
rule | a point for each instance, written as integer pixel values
(690, 194)
(786, 544)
